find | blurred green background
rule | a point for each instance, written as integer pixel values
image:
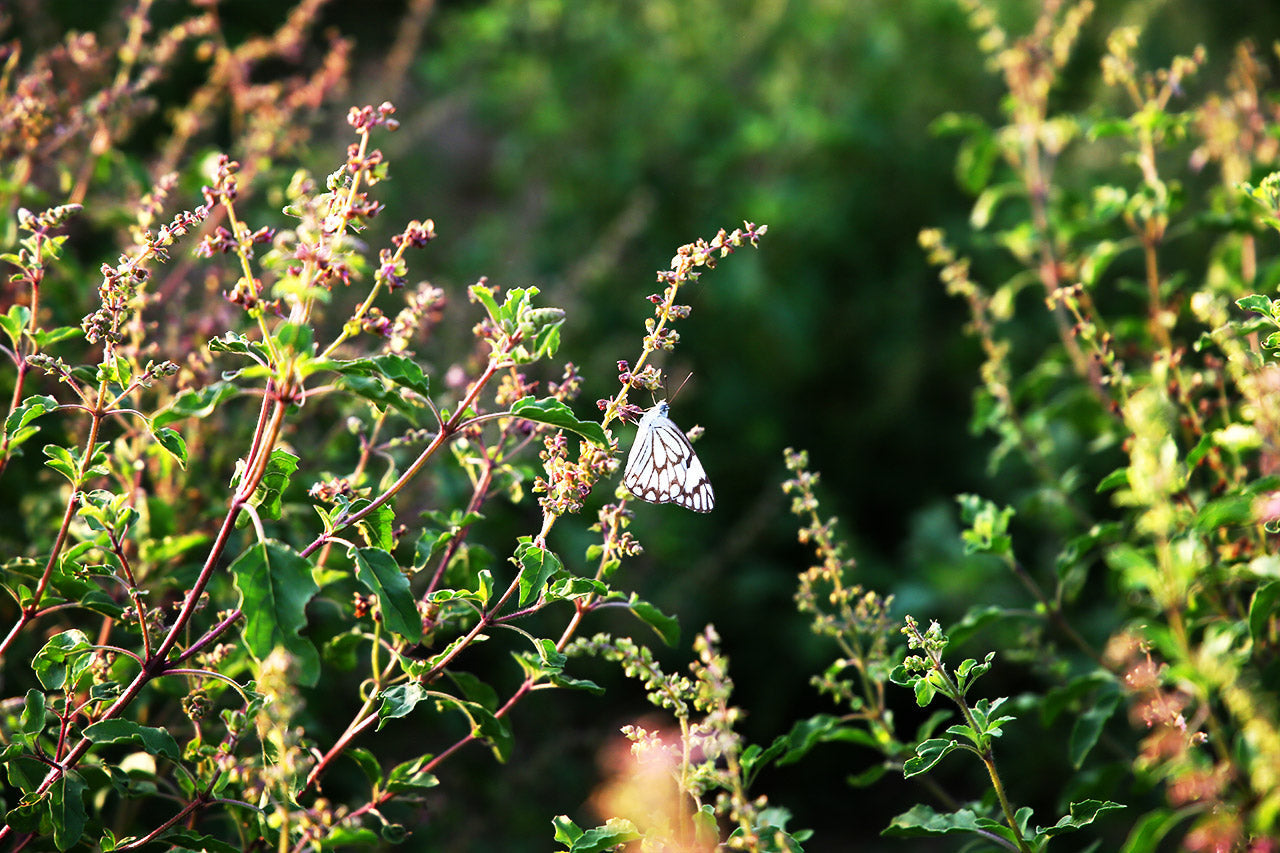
(573, 146)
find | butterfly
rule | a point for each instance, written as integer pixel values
(662, 467)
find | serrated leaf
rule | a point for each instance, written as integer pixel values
(31, 408)
(152, 740)
(378, 526)
(1081, 814)
(1255, 302)
(400, 700)
(928, 753)
(402, 371)
(275, 584)
(275, 480)
(373, 390)
(555, 413)
(615, 832)
(174, 443)
(238, 344)
(537, 566)
(62, 660)
(923, 820)
(380, 573)
(31, 722)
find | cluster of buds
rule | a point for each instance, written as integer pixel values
(120, 283)
(330, 491)
(367, 117)
(416, 234)
(612, 523)
(513, 386)
(226, 187)
(569, 385)
(423, 310)
(374, 322)
(567, 484)
(705, 254)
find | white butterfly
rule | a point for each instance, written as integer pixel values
(662, 467)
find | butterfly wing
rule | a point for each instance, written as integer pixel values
(663, 468)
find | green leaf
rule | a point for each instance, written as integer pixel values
(16, 426)
(194, 403)
(928, 753)
(821, 728)
(61, 460)
(1227, 511)
(554, 413)
(171, 441)
(29, 815)
(1081, 814)
(1261, 611)
(294, 337)
(868, 777)
(485, 725)
(484, 295)
(537, 566)
(374, 391)
(153, 740)
(66, 808)
(666, 627)
(14, 322)
(33, 713)
(475, 690)
(275, 480)
(402, 371)
(1152, 827)
(45, 338)
(575, 587)
(377, 527)
(63, 659)
(615, 832)
(922, 820)
(1088, 726)
(238, 344)
(567, 831)
(400, 700)
(380, 573)
(977, 618)
(1256, 302)
(1117, 479)
(186, 839)
(409, 777)
(275, 584)
(988, 526)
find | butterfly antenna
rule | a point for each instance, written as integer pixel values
(686, 379)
